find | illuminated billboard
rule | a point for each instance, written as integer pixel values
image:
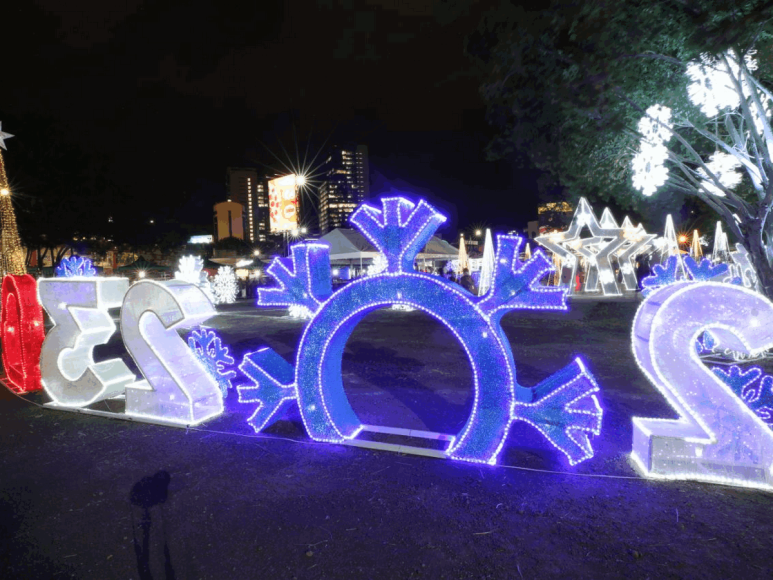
(283, 202)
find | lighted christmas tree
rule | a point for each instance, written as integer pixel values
(11, 253)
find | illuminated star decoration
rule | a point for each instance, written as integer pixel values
(563, 407)
(214, 356)
(607, 238)
(74, 267)
(638, 241)
(3, 136)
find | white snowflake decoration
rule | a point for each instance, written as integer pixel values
(189, 269)
(649, 170)
(379, 265)
(711, 88)
(225, 287)
(299, 311)
(723, 166)
(656, 126)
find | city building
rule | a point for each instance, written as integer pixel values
(245, 187)
(345, 185)
(229, 220)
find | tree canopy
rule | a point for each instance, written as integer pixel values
(566, 84)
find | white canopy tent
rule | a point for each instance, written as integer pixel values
(350, 247)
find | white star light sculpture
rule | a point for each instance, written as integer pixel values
(606, 239)
(637, 242)
(3, 136)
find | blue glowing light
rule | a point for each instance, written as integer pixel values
(752, 387)
(563, 408)
(209, 349)
(75, 266)
(696, 272)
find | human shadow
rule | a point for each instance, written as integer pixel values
(147, 498)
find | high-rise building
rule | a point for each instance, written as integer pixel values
(229, 220)
(345, 185)
(245, 187)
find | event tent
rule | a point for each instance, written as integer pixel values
(348, 247)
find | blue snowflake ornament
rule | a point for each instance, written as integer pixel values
(751, 386)
(564, 407)
(75, 267)
(695, 272)
(208, 347)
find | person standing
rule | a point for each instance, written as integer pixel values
(467, 282)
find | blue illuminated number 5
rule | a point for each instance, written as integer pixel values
(177, 388)
(717, 437)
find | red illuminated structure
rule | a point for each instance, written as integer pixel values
(21, 333)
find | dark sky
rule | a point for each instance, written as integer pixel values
(168, 94)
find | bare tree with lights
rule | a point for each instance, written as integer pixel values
(736, 179)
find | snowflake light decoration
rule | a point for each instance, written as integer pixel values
(655, 126)
(209, 349)
(563, 407)
(379, 265)
(668, 273)
(711, 88)
(225, 287)
(723, 166)
(190, 269)
(649, 170)
(75, 267)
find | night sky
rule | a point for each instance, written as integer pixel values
(168, 94)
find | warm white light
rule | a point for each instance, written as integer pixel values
(4, 191)
(300, 179)
(256, 253)
(141, 274)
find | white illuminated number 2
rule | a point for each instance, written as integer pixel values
(177, 387)
(717, 437)
(78, 308)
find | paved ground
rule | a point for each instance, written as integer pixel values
(87, 497)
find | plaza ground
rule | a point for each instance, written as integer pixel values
(89, 497)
